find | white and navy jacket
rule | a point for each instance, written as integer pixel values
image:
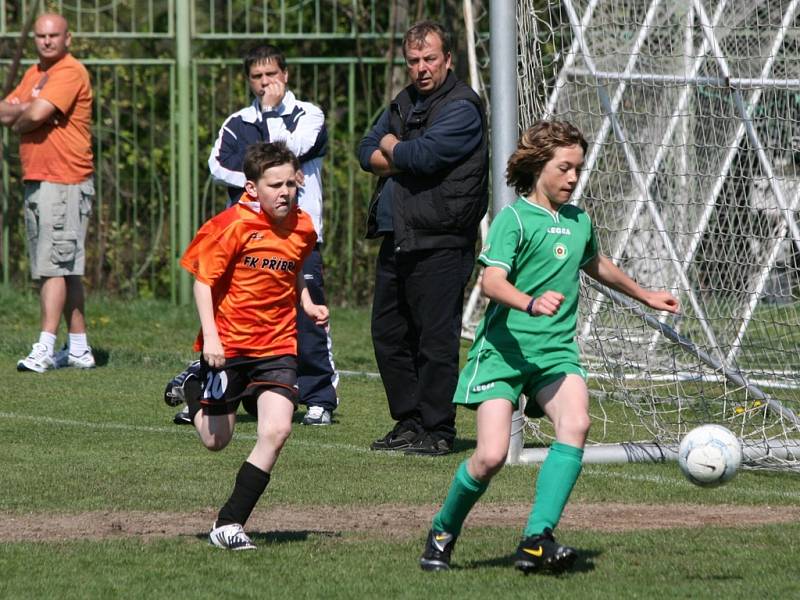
(300, 124)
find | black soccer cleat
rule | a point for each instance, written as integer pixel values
(184, 384)
(399, 438)
(438, 547)
(542, 553)
(182, 417)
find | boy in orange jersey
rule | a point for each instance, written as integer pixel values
(248, 279)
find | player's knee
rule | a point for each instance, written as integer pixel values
(488, 462)
(574, 426)
(276, 435)
(215, 443)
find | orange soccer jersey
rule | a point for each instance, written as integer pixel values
(251, 266)
(58, 152)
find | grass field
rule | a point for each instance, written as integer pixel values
(102, 497)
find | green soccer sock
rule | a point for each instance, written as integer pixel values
(463, 494)
(556, 479)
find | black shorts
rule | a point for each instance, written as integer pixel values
(243, 379)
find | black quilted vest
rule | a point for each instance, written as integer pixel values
(442, 210)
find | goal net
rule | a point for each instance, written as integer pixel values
(692, 180)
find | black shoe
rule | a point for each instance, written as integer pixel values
(438, 547)
(428, 444)
(542, 553)
(182, 417)
(184, 384)
(399, 438)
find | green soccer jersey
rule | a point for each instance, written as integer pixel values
(540, 250)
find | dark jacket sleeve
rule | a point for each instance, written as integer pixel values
(451, 136)
(371, 142)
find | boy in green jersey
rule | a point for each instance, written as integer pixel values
(525, 344)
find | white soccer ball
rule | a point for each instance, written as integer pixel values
(709, 455)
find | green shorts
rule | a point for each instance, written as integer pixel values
(56, 220)
(490, 374)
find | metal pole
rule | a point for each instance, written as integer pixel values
(503, 52)
(183, 42)
(503, 124)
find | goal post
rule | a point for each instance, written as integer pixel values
(692, 181)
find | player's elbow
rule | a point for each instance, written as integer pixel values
(491, 283)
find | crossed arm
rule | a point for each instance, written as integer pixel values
(381, 161)
(23, 117)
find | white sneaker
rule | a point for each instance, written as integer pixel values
(317, 415)
(63, 358)
(38, 361)
(230, 537)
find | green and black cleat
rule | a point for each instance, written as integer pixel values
(438, 547)
(542, 553)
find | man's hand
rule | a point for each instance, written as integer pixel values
(11, 109)
(387, 144)
(273, 95)
(380, 162)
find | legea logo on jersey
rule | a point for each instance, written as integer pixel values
(560, 251)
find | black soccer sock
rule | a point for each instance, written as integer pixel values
(192, 392)
(250, 484)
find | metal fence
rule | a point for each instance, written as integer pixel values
(165, 74)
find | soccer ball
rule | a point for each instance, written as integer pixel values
(709, 455)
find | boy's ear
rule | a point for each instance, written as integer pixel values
(250, 188)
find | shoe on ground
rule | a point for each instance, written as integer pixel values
(38, 361)
(317, 415)
(182, 417)
(542, 553)
(397, 439)
(230, 537)
(64, 358)
(438, 548)
(428, 444)
(185, 384)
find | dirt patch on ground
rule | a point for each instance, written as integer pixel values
(401, 520)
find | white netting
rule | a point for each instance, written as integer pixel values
(692, 179)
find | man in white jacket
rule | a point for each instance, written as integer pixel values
(276, 115)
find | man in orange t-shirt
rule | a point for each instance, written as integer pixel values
(247, 265)
(51, 109)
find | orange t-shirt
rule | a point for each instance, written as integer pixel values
(59, 153)
(251, 266)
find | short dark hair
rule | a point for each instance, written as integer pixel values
(264, 155)
(263, 53)
(536, 146)
(419, 31)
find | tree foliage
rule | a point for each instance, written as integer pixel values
(343, 57)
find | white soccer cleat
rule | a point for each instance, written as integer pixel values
(317, 415)
(230, 537)
(38, 361)
(64, 358)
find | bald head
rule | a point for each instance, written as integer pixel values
(52, 38)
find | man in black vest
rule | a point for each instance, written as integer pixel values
(430, 150)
